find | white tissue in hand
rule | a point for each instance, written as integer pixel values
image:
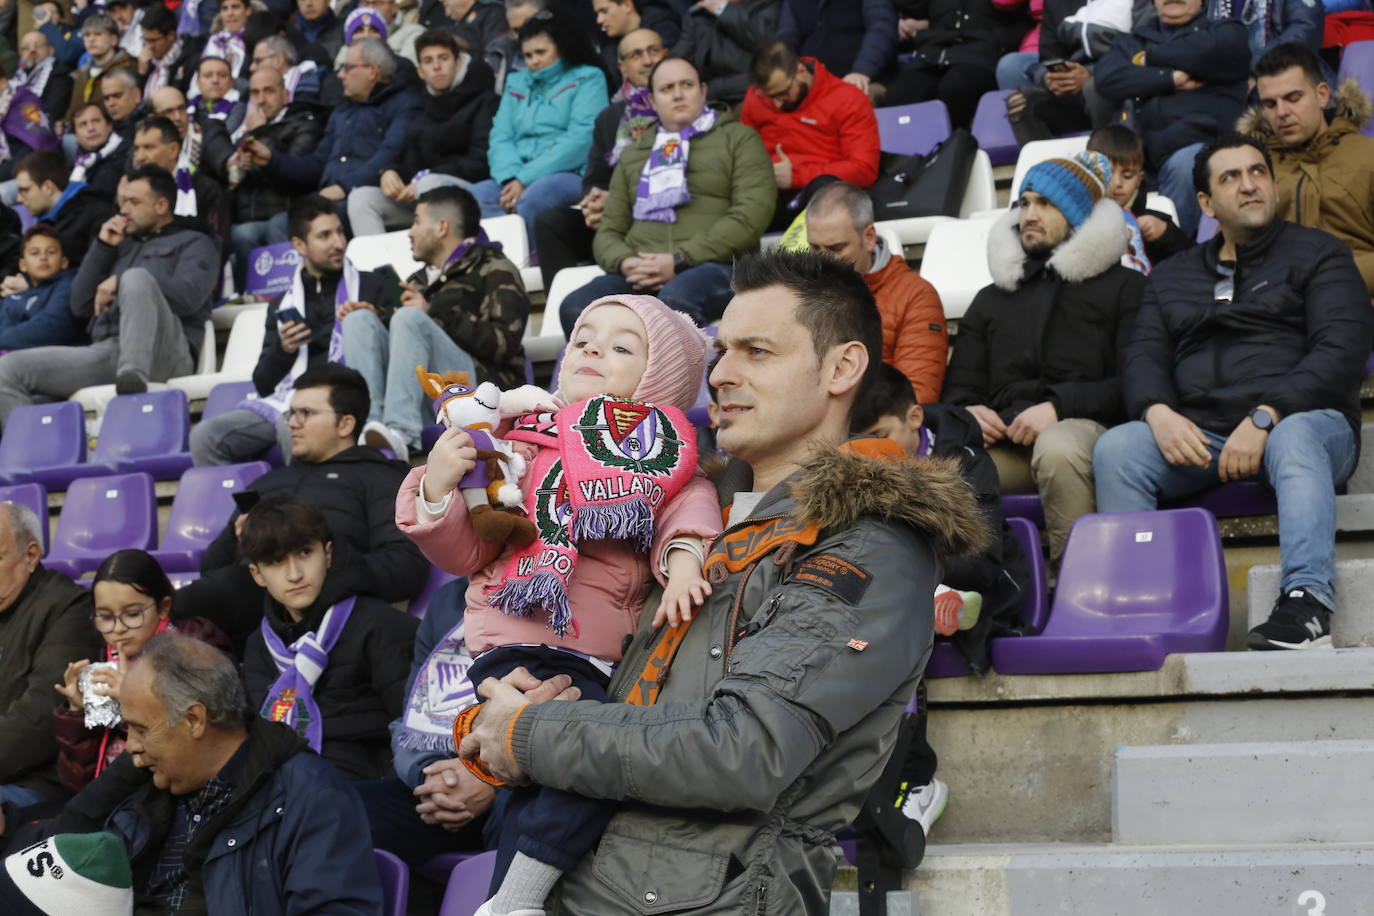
(101, 711)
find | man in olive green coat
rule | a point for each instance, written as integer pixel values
(684, 202)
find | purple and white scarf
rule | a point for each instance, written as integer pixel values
(188, 18)
(290, 699)
(160, 73)
(85, 161)
(441, 691)
(663, 180)
(271, 407)
(639, 116)
(293, 76)
(35, 79)
(187, 163)
(230, 46)
(220, 109)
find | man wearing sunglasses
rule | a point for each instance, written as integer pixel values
(1246, 361)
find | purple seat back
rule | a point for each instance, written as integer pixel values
(1357, 60)
(1237, 498)
(146, 432)
(911, 129)
(225, 397)
(395, 882)
(271, 269)
(204, 502)
(1206, 228)
(101, 515)
(1024, 505)
(42, 436)
(992, 130)
(468, 885)
(436, 580)
(1133, 587)
(34, 497)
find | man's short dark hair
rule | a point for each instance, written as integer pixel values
(304, 211)
(772, 57)
(209, 58)
(455, 205)
(281, 525)
(833, 301)
(1287, 55)
(46, 165)
(48, 230)
(348, 395)
(653, 71)
(437, 38)
(159, 180)
(164, 126)
(82, 109)
(159, 19)
(1119, 144)
(890, 395)
(1202, 166)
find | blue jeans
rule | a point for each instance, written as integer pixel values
(559, 189)
(387, 357)
(700, 292)
(1012, 67)
(247, 236)
(1176, 183)
(1307, 455)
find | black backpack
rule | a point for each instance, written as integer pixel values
(925, 184)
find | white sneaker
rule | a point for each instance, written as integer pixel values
(380, 436)
(927, 803)
(486, 910)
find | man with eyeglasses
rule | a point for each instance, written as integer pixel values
(719, 37)
(353, 485)
(44, 75)
(166, 59)
(1246, 361)
(44, 623)
(563, 235)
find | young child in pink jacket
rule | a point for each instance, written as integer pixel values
(627, 347)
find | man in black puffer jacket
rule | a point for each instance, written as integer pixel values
(447, 140)
(1246, 361)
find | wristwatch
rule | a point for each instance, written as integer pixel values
(1262, 419)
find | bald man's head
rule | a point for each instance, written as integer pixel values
(267, 91)
(169, 103)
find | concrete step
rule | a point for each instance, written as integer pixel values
(1355, 512)
(1280, 792)
(1352, 624)
(1362, 481)
(1108, 880)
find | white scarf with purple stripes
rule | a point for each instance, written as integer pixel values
(290, 699)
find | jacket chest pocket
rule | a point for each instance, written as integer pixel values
(634, 870)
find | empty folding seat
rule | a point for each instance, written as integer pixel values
(45, 443)
(201, 508)
(992, 130)
(225, 397)
(146, 432)
(468, 883)
(101, 515)
(911, 129)
(395, 882)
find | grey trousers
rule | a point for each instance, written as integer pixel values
(150, 342)
(370, 212)
(236, 436)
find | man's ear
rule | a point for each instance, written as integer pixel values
(1205, 202)
(915, 416)
(196, 720)
(257, 575)
(32, 554)
(347, 427)
(328, 553)
(849, 362)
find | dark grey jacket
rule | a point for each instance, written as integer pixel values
(720, 47)
(184, 263)
(782, 704)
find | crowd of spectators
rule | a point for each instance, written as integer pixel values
(1112, 364)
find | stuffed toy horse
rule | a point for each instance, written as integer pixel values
(491, 491)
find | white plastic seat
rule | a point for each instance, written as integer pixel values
(368, 252)
(240, 355)
(1040, 150)
(94, 398)
(564, 282)
(980, 194)
(1160, 203)
(509, 230)
(956, 262)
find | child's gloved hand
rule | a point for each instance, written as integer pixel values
(450, 461)
(686, 589)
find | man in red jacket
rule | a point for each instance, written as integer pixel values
(814, 125)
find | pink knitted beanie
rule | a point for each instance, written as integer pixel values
(677, 351)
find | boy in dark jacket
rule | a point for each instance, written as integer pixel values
(1158, 232)
(326, 661)
(40, 314)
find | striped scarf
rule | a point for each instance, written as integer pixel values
(290, 699)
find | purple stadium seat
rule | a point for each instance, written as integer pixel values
(1024, 505)
(910, 129)
(31, 496)
(1237, 498)
(1206, 228)
(1133, 587)
(992, 130)
(1357, 60)
(436, 580)
(224, 397)
(441, 866)
(468, 885)
(200, 510)
(101, 515)
(146, 432)
(1035, 604)
(395, 882)
(46, 443)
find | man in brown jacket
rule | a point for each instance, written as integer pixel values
(839, 220)
(1323, 165)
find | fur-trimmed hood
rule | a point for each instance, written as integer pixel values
(1351, 104)
(838, 487)
(1092, 248)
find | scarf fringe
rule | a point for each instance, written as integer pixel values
(522, 597)
(413, 741)
(631, 520)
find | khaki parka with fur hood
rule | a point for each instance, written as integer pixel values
(1329, 183)
(782, 703)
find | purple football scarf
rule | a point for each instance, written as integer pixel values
(663, 180)
(638, 117)
(606, 466)
(300, 664)
(441, 691)
(85, 160)
(160, 71)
